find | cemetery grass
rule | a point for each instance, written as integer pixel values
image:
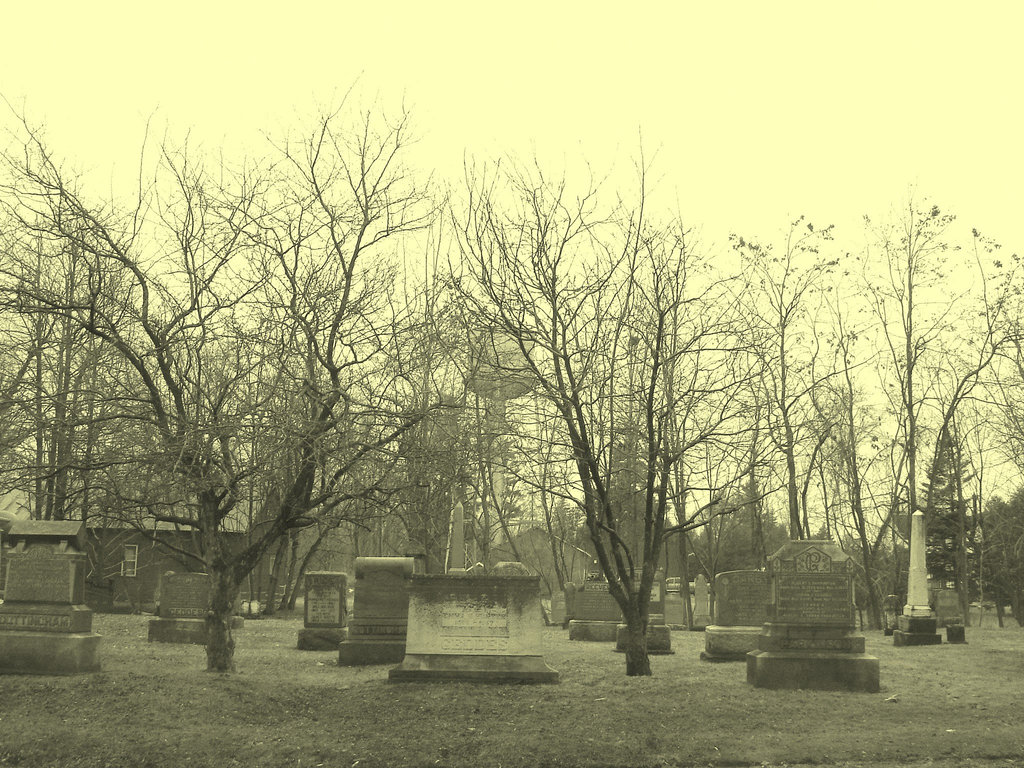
(154, 705)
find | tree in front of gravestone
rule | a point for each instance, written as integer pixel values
(238, 306)
(632, 344)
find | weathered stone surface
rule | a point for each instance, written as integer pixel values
(659, 639)
(675, 611)
(593, 631)
(729, 643)
(701, 609)
(741, 598)
(479, 628)
(809, 639)
(324, 604)
(557, 613)
(45, 626)
(378, 625)
(595, 603)
(955, 633)
(947, 607)
(184, 631)
(184, 595)
(915, 631)
(320, 638)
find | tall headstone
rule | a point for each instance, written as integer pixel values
(380, 613)
(701, 608)
(184, 604)
(45, 625)
(741, 607)
(947, 607)
(675, 609)
(810, 638)
(557, 613)
(596, 613)
(917, 625)
(890, 612)
(323, 612)
(475, 628)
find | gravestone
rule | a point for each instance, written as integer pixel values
(810, 638)
(380, 613)
(955, 633)
(890, 612)
(947, 607)
(675, 610)
(741, 607)
(917, 624)
(183, 606)
(659, 638)
(571, 590)
(475, 628)
(45, 625)
(557, 613)
(324, 614)
(701, 608)
(596, 613)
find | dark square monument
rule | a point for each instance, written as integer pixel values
(324, 612)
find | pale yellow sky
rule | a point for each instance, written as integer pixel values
(758, 111)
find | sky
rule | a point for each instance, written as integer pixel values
(754, 113)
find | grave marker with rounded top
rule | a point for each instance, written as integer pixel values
(45, 626)
(701, 612)
(741, 608)
(380, 614)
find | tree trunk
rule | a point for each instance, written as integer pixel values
(638, 663)
(220, 644)
(274, 577)
(313, 549)
(293, 561)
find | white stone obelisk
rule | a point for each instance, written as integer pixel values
(457, 555)
(917, 579)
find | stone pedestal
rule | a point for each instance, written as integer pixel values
(380, 614)
(593, 631)
(184, 603)
(916, 630)
(324, 613)
(741, 608)
(45, 626)
(659, 639)
(955, 633)
(474, 628)
(596, 613)
(809, 639)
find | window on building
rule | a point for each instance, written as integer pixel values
(130, 562)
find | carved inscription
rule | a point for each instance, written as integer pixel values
(40, 579)
(482, 629)
(185, 596)
(323, 601)
(811, 598)
(377, 629)
(35, 621)
(741, 598)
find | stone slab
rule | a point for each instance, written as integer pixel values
(40, 575)
(184, 595)
(320, 638)
(659, 639)
(675, 611)
(729, 643)
(49, 653)
(29, 617)
(901, 639)
(490, 669)
(593, 631)
(815, 670)
(324, 603)
(741, 598)
(955, 633)
(355, 653)
(184, 631)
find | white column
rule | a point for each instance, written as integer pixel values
(917, 579)
(457, 556)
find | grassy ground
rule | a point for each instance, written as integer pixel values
(153, 705)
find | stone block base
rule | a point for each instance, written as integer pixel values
(699, 625)
(593, 631)
(355, 653)
(816, 670)
(184, 631)
(729, 643)
(659, 639)
(48, 653)
(321, 638)
(916, 630)
(422, 667)
(955, 633)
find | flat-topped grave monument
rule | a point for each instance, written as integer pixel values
(741, 607)
(481, 628)
(380, 612)
(45, 626)
(810, 638)
(183, 607)
(596, 614)
(324, 613)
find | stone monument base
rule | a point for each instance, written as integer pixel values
(186, 631)
(419, 667)
(955, 633)
(816, 670)
(659, 639)
(355, 653)
(593, 631)
(49, 653)
(916, 630)
(698, 625)
(729, 643)
(321, 638)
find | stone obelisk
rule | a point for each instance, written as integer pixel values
(457, 555)
(917, 625)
